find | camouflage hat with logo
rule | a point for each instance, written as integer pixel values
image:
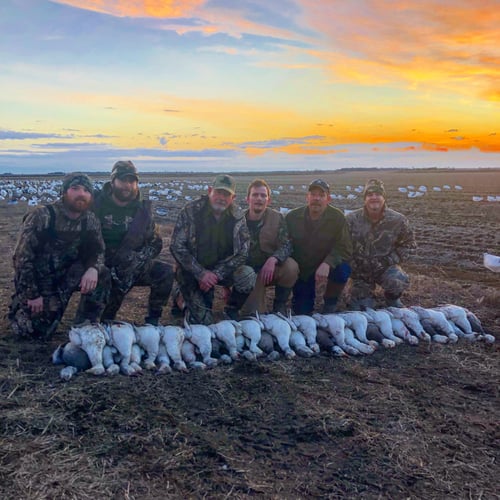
(374, 186)
(122, 169)
(321, 184)
(77, 179)
(226, 182)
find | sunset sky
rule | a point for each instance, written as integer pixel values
(254, 85)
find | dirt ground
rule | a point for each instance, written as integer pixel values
(413, 422)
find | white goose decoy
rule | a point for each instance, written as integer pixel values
(491, 262)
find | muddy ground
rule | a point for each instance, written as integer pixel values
(413, 422)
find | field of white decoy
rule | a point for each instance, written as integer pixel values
(394, 404)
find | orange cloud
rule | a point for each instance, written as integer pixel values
(138, 8)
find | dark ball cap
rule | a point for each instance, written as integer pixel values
(122, 169)
(77, 179)
(321, 184)
(226, 182)
(374, 186)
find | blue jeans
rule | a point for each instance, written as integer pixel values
(304, 292)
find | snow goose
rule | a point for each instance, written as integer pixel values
(335, 326)
(383, 320)
(122, 336)
(201, 337)
(252, 330)
(90, 337)
(171, 340)
(410, 319)
(148, 337)
(280, 330)
(225, 332)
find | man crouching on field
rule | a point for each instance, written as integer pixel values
(59, 251)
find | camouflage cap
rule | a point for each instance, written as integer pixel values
(226, 182)
(76, 179)
(374, 186)
(122, 169)
(321, 184)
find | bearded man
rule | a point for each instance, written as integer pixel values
(59, 251)
(132, 243)
(210, 244)
(382, 240)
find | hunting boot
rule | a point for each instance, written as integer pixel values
(235, 303)
(393, 301)
(332, 294)
(362, 304)
(281, 296)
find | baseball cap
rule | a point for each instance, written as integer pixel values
(319, 183)
(374, 186)
(77, 179)
(124, 168)
(226, 182)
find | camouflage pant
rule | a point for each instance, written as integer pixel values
(394, 281)
(155, 274)
(199, 304)
(56, 291)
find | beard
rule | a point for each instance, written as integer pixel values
(125, 195)
(77, 205)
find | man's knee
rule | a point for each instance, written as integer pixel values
(244, 278)
(340, 273)
(287, 273)
(395, 281)
(162, 277)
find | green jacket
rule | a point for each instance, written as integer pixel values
(328, 240)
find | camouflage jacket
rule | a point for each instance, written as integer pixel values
(376, 246)
(326, 241)
(141, 241)
(186, 251)
(269, 238)
(49, 245)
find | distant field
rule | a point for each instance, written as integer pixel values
(412, 422)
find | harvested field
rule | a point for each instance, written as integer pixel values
(413, 422)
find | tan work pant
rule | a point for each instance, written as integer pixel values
(285, 275)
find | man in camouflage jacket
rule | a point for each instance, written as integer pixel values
(382, 239)
(210, 245)
(132, 243)
(270, 250)
(59, 251)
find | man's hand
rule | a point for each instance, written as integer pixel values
(267, 270)
(36, 305)
(89, 280)
(322, 273)
(207, 281)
